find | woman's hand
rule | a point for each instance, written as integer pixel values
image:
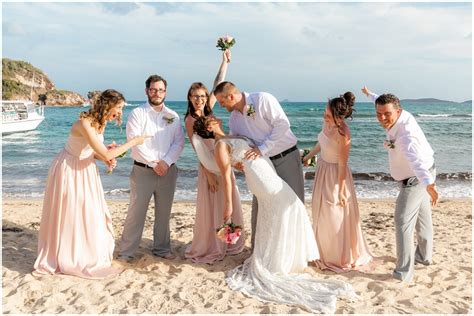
(140, 139)
(228, 213)
(342, 198)
(212, 182)
(111, 164)
(226, 55)
(306, 161)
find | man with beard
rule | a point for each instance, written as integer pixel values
(154, 171)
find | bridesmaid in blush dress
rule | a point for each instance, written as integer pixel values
(205, 246)
(336, 220)
(76, 235)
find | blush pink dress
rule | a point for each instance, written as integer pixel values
(76, 235)
(205, 247)
(342, 246)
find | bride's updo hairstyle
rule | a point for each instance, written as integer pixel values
(342, 107)
(200, 127)
(101, 105)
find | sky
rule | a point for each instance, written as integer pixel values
(298, 51)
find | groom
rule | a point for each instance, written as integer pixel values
(260, 117)
(412, 165)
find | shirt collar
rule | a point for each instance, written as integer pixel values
(248, 101)
(150, 108)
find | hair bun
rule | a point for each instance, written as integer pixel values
(349, 97)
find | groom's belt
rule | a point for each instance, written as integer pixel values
(144, 165)
(414, 180)
(141, 164)
(284, 153)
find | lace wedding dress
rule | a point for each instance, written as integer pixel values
(284, 243)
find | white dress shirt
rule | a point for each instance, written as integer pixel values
(167, 141)
(268, 127)
(412, 155)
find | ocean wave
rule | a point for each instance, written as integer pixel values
(434, 115)
(444, 115)
(117, 192)
(365, 189)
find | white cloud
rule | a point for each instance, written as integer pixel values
(299, 51)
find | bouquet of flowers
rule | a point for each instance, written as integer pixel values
(225, 42)
(229, 233)
(312, 161)
(110, 169)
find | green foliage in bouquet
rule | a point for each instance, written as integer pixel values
(312, 161)
(225, 42)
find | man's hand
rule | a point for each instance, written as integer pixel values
(161, 168)
(239, 166)
(365, 91)
(431, 188)
(252, 154)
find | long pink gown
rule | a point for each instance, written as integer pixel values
(205, 247)
(342, 246)
(76, 235)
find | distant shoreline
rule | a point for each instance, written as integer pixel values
(422, 100)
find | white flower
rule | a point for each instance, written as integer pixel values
(389, 144)
(251, 110)
(168, 119)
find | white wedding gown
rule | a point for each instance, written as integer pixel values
(284, 243)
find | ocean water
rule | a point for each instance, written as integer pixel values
(448, 126)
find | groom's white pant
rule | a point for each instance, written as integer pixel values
(145, 183)
(290, 169)
(413, 212)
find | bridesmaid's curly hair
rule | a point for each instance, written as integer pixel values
(200, 127)
(101, 105)
(342, 107)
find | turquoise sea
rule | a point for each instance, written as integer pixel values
(448, 126)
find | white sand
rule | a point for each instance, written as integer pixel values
(154, 285)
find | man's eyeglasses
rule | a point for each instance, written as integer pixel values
(197, 97)
(153, 91)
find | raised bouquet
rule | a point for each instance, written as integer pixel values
(225, 42)
(229, 233)
(312, 161)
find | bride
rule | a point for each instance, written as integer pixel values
(284, 241)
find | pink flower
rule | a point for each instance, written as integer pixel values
(225, 42)
(229, 233)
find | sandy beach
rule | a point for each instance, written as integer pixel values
(155, 285)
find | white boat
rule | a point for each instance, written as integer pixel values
(20, 116)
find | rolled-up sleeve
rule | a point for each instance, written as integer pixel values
(413, 153)
(276, 117)
(177, 144)
(135, 127)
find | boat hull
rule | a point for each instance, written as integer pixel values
(21, 125)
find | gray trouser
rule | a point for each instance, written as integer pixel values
(144, 183)
(290, 169)
(412, 212)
